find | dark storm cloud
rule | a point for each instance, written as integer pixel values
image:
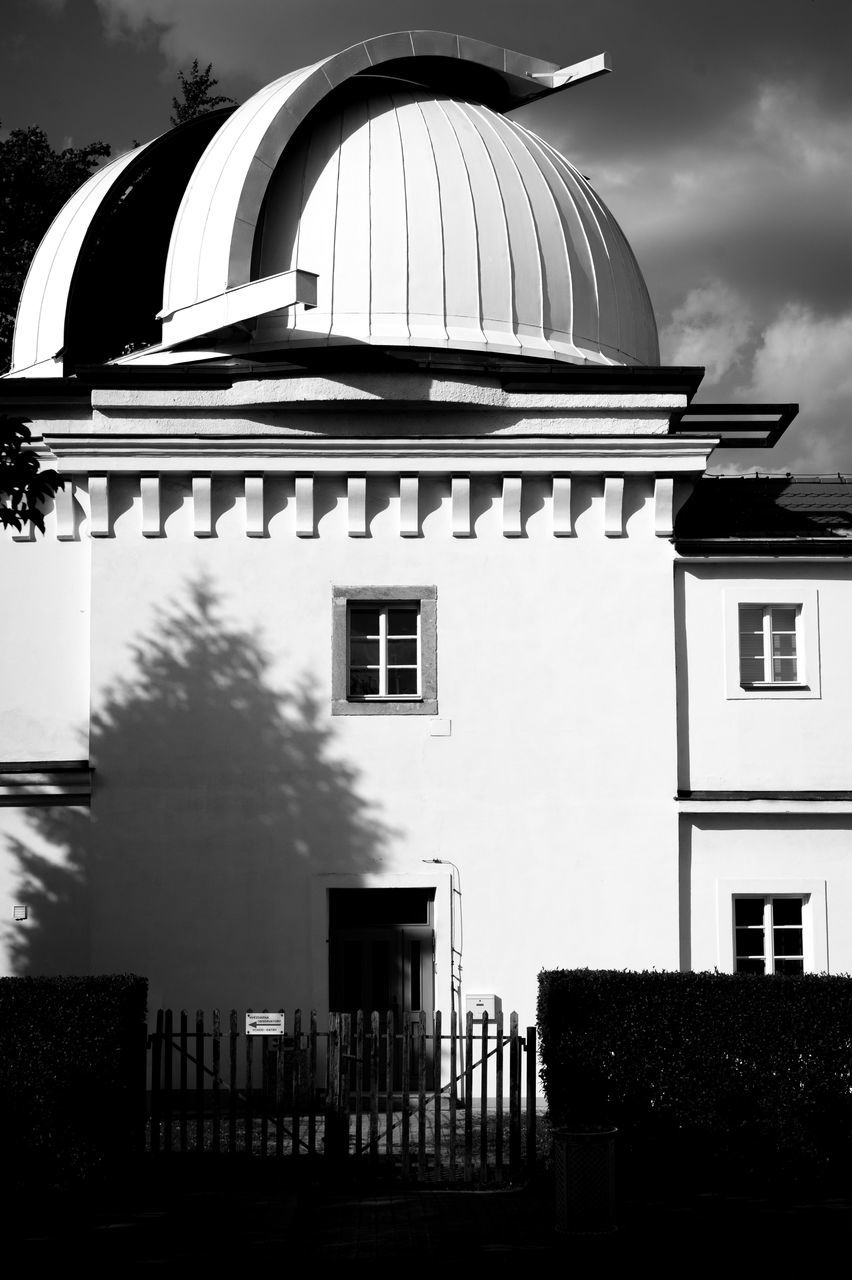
(682, 67)
(778, 240)
(722, 143)
(675, 49)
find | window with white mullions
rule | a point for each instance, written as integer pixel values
(384, 651)
(768, 644)
(769, 934)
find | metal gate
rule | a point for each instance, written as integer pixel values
(401, 1092)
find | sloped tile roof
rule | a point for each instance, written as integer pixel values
(744, 511)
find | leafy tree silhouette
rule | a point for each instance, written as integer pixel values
(196, 94)
(217, 798)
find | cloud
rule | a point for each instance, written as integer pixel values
(258, 39)
(806, 358)
(711, 327)
(701, 58)
(766, 203)
(789, 124)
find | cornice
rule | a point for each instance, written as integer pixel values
(80, 455)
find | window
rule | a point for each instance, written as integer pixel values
(769, 934)
(384, 651)
(775, 924)
(768, 644)
(771, 639)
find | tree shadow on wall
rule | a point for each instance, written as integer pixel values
(217, 800)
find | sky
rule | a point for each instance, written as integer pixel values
(722, 143)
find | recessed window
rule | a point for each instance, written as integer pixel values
(384, 651)
(769, 648)
(772, 648)
(769, 934)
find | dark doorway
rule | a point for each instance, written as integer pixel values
(381, 950)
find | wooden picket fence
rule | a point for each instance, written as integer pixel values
(435, 1105)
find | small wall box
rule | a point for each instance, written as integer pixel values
(479, 1005)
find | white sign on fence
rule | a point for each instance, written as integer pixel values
(264, 1024)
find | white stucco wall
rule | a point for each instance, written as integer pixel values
(44, 649)
(770, 854)
(553, 792)
(770, 741)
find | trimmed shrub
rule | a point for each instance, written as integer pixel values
(713, 1080)
(72, 1082)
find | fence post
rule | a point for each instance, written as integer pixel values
(335, 1133)
(217, 1067)
(375, 1058)
(498, 1091)
(531, 1084)
(264, 1093)
(345, 1078)
(168, 1032)
(139, 1100)
(312, 1085)
(232, 1079)
(436, 1069)
(278, 1111)
(184, 1031)
(390, 1050)
(468, 1098)
(359, 1081)
(454, 1097)
(406, 1070)
(296, 1119)
(249, 1121)
(156, 1062)
(421, 1094)
(483, 1105)
(199, 1080)
(514, 1099)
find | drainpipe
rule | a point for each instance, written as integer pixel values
(455, 962)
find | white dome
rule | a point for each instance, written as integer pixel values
(386, 171)
(434, 222)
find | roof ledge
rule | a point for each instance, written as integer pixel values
(736, 426)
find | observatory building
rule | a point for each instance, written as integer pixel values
(388, 641)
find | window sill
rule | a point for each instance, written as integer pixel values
(774, 686)
(774, 692)
(384, 707)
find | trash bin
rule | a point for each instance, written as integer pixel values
(584, 1180)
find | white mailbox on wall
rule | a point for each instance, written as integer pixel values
(479, 1005)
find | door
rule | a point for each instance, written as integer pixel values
(381, 958)
(381, 950)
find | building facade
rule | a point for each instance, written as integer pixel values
(388, 641)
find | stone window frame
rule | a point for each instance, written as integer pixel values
(426, 704)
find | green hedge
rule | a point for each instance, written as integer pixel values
(72, 1082)
(711, 1079)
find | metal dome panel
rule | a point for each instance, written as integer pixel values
(214, 233)
(40, 324)
(383, 184)
(434, 222)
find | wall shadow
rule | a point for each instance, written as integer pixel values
(217, 800)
